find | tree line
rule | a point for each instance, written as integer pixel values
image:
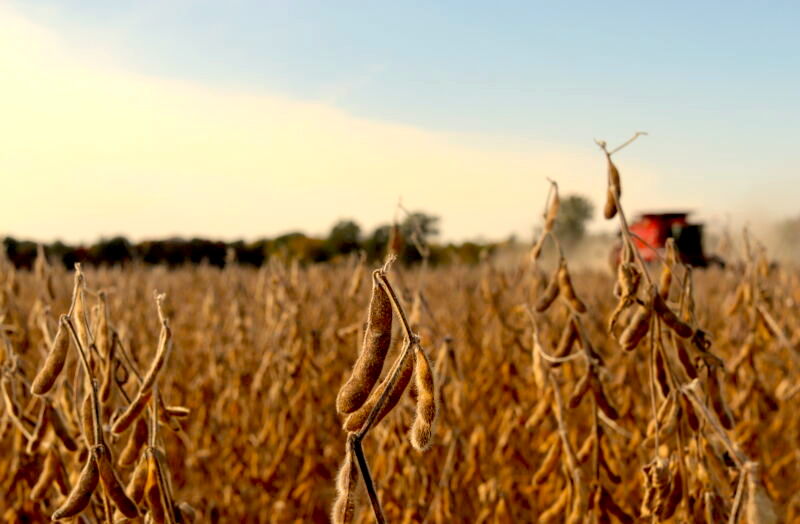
(414, 235)
(345, 238)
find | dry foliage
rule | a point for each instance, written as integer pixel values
(220, 403)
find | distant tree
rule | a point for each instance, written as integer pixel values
(375, 244)
(345, 237)
(426, 225)
(113, 251)
(573, 214)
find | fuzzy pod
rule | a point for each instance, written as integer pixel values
(602, 400)
(136, 441)
(569, 336)
(346, 483)
(614, 189)
(552, 211)
(137, 482)
(541, 410)
(396, 241)
(42, 423)
(368, 366)
(568, 290)
(355, 420)
(636, 329)
(549, 295)
(51, 369)
(102, 339)
(111, 483)
(108, 375)
(61, 430)
(46, 477)
(87, 419)
(152, 492)
(557, 509)
(672, 321)
(81, 494)
(665, 282)
(586, 449)
(422, 428)
(159, 360)
(549, 463)
(131, 413)
(717, 401)
(580, 391)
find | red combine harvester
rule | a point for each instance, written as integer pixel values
(655, 228)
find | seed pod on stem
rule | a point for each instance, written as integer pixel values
(111, 483)
(54, 363)
(636, 330)
(580, 391)
(346, 484)
(422, 429)
(355, 420)
(46, 477)
(137, 482)
(567, 290)
(136, 441)
(377, 340)
(549, 463)
(717, 400)
(614, 189)
(569, 336)
(680, 328)
(81, 494)
(550, 293)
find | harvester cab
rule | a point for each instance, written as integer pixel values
(651, 231)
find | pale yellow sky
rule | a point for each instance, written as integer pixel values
(89, 147)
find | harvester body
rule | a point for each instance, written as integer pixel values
(651, 231)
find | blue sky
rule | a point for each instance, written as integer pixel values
(716, 84)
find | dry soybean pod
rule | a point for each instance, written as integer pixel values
(136, 440)
(108, 374)
(152, 491)
(355, 420)
(137, 482)
(580, 391)
(111, 483)
(377, 339)
(614, 191)
(81, 494)
(550, 293)
(569, 335)
(101, 335)
(54, 363)
(567, 289)
(637, 329)
(346, 484)
(160, 358)
(422, 429)
(48, 474)
(549, 463)
(132, 412)
(41, 428)
(680, 328)
(61, 431)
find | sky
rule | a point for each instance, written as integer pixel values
(247, 119)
